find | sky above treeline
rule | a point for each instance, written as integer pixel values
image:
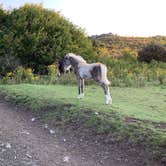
(121, 17)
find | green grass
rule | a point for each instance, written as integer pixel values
(146, 105)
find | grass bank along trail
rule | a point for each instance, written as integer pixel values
(27, 143)
(136, 118)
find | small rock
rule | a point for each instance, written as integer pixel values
(118, 159)
(66, 159)
(101, 161)
(126, 160)
(64, 140)
(28, 155)
(2, 144)
(8, 145)
(46, 126)
(33, 119)
(52, 131)
(3, 150)
(25, 132)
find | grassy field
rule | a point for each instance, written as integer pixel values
(147, 103)
(135, 111)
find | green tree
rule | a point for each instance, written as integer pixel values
(38, 37)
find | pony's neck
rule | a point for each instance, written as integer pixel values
(75, 63)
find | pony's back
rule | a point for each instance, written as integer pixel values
(76, 57)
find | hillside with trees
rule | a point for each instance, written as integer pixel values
(115, 45)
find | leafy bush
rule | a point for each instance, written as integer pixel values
(128, 54)
(152, 52)
(8, 64)
(28, 74)
(39, 36)
(129, 72)
(52, 73)
(19, 74)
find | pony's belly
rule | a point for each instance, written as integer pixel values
(85, 75)
(84, 72)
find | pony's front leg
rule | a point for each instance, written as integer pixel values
(80, 89)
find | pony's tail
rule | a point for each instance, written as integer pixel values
(107, 82)
(104, 75)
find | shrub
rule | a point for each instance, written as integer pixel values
(52, 73)
(152, 52)
(128, 54)
(7, 64)
(24, 75)
(7, 78)
(29, 77)
(161, 75)
(18, 74)
(103, 51)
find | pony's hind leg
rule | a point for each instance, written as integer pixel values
(107, 93)
(80, 88)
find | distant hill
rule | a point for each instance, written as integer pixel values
(117, 44)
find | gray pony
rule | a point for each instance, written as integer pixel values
(84, 70)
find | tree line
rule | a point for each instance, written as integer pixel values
(35, 37)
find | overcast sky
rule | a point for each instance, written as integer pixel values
(122, 17)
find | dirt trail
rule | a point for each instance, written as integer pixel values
(27, 143)
(24, 143)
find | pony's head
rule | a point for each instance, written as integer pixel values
(70, 60)
(64, 65)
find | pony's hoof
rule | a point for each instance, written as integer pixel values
(109, 102)
(80, 96)
(108, 99)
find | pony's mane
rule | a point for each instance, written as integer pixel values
(76, 57)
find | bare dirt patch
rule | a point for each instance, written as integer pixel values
(26, 141)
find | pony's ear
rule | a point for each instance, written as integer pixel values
(67, 56)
